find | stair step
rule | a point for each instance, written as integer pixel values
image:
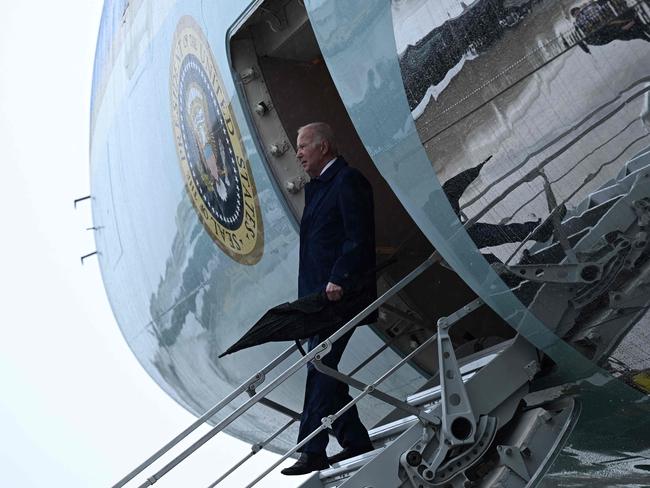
(380, 437)
(391, 429)
(432, 395)
(348, 466)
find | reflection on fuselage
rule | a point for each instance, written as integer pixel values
(530, 111)
(559, 126)
(427, 63)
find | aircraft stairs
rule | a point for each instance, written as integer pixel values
(478, 424)
(444, 429)
(442, 447)
(383, 435)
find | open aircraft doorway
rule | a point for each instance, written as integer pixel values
(286, 84)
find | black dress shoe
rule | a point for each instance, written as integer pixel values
(348, 453)
(306, 464)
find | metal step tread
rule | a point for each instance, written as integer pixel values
(433, 394)
(349, 465)
(391, 428)
(376, 436)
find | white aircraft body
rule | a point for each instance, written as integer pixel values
(507, 143)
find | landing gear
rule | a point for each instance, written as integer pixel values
(487, 436)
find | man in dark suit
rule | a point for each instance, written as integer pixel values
(337, 256)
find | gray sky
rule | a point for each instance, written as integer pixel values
(76, 408)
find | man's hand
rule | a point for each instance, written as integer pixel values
(334, 292)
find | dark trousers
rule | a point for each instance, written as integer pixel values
(325, 396)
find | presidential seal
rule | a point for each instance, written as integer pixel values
(216, 170)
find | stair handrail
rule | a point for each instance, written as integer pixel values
(255, 448)
(366, 391)
(425, 416)
(247, 385)
(256, 380)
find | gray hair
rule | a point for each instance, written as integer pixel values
(322, 133)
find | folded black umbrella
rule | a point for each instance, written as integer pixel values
(307, 316)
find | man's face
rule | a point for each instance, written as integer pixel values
(312, 155)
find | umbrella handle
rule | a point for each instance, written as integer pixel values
(299, 346)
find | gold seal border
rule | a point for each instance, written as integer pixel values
(245, 244)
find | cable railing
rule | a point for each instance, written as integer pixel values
(250, 386)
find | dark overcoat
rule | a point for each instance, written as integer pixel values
(337, 233)
(337, 244)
